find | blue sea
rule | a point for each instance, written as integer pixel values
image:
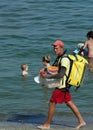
(27, 30)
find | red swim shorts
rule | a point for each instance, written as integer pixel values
(60, 96)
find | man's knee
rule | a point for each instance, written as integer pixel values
(52, 103)
(69, 103)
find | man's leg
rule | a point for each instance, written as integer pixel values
(52, 107)
(75, 110)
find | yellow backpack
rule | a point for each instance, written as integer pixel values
(77, 69)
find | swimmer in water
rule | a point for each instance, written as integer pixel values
(24, 68)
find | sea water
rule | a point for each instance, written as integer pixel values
(27, 30)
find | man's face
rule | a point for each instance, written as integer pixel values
(58, 50)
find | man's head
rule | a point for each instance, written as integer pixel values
(58, 47)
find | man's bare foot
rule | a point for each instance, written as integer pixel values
(43, 127)
(81, 125)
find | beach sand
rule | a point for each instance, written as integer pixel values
(20, 126)
(30, 122)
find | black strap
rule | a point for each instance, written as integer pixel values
(57, 59)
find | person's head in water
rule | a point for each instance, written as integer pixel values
(24, 68)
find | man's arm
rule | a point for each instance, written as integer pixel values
(59, 75)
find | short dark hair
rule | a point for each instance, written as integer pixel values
(90, 34)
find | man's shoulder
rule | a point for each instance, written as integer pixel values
(65, 58)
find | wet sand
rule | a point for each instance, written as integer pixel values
(19, 126)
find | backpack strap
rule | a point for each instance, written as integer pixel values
(57, 62)
(76, 57)
(67, 76)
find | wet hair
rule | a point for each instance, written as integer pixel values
(46, 58)
(23, 66)
(90, 34)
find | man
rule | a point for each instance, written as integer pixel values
(61, 94)
(89, 44)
